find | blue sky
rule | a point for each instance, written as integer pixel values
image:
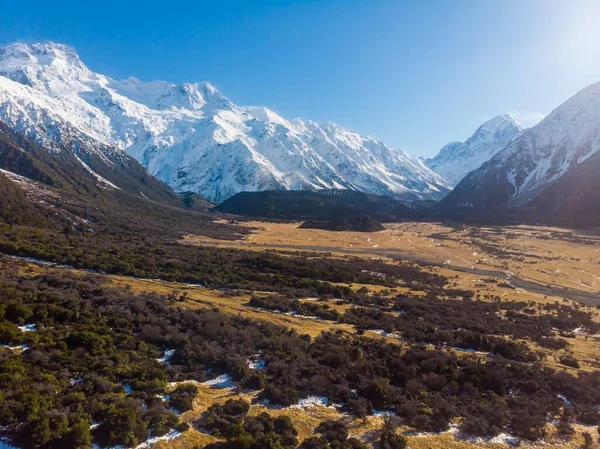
(416, 74)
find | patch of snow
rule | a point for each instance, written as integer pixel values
(21, 348)
(564, 399)
(256, 363)
(166, 356)
(4, 444)
(383, 412)
(193, 285)
(164, 398)
(75, 380)
(96, 175)
(223, 381)
(181, 382)
(469, 350)
(153, 440)
(312, 401)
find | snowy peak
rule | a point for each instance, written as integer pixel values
(43, 54)
(456, 159)
(540, 157)
(53, 68)
(500, 122)
(163, 95)
(193, 138)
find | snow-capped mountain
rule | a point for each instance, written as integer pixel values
(456, 159)
(562, 144)
(192, 137)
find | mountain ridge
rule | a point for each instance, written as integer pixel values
(541, 156)
(456, 159)
(193, 138)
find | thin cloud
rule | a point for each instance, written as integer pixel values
(527, 119)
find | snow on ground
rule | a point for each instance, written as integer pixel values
(564, 399)
(22, 180)
(96, 175)
(223, 381)
(297, 315)
(181, 382)
(75, 380)
(471, 351)
(256, 363)
(502, 438)
(146, 444)
(382, 412)
(150, 441)
(193, 285)
(453, 429)
(21, 348)
(27, 328)
(166, 356)
(314, 401)
(386, 334)
(4, 444)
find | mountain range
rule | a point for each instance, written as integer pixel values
(548, 170)
(63, 125)
(190, 136)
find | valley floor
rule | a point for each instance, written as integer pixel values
(485, 261)
(551, 261)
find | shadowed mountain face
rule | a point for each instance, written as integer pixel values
(317, 205)
(357, 223)
(543, 166)
(77, 166)
(574, 198)
(14, 206)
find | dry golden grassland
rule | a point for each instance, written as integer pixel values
(308, 418)
(540, 254)
(533, 253)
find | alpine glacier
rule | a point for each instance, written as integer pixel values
(561, 144)
(456, 159)
(192, 137)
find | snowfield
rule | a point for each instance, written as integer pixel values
(456, 159)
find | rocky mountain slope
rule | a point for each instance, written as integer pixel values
(79, 166)
(190, 136)
(542, 160)
(456, 159)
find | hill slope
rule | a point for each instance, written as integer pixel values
(317, 205)
(356, 223)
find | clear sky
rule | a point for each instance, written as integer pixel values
(416, 74)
